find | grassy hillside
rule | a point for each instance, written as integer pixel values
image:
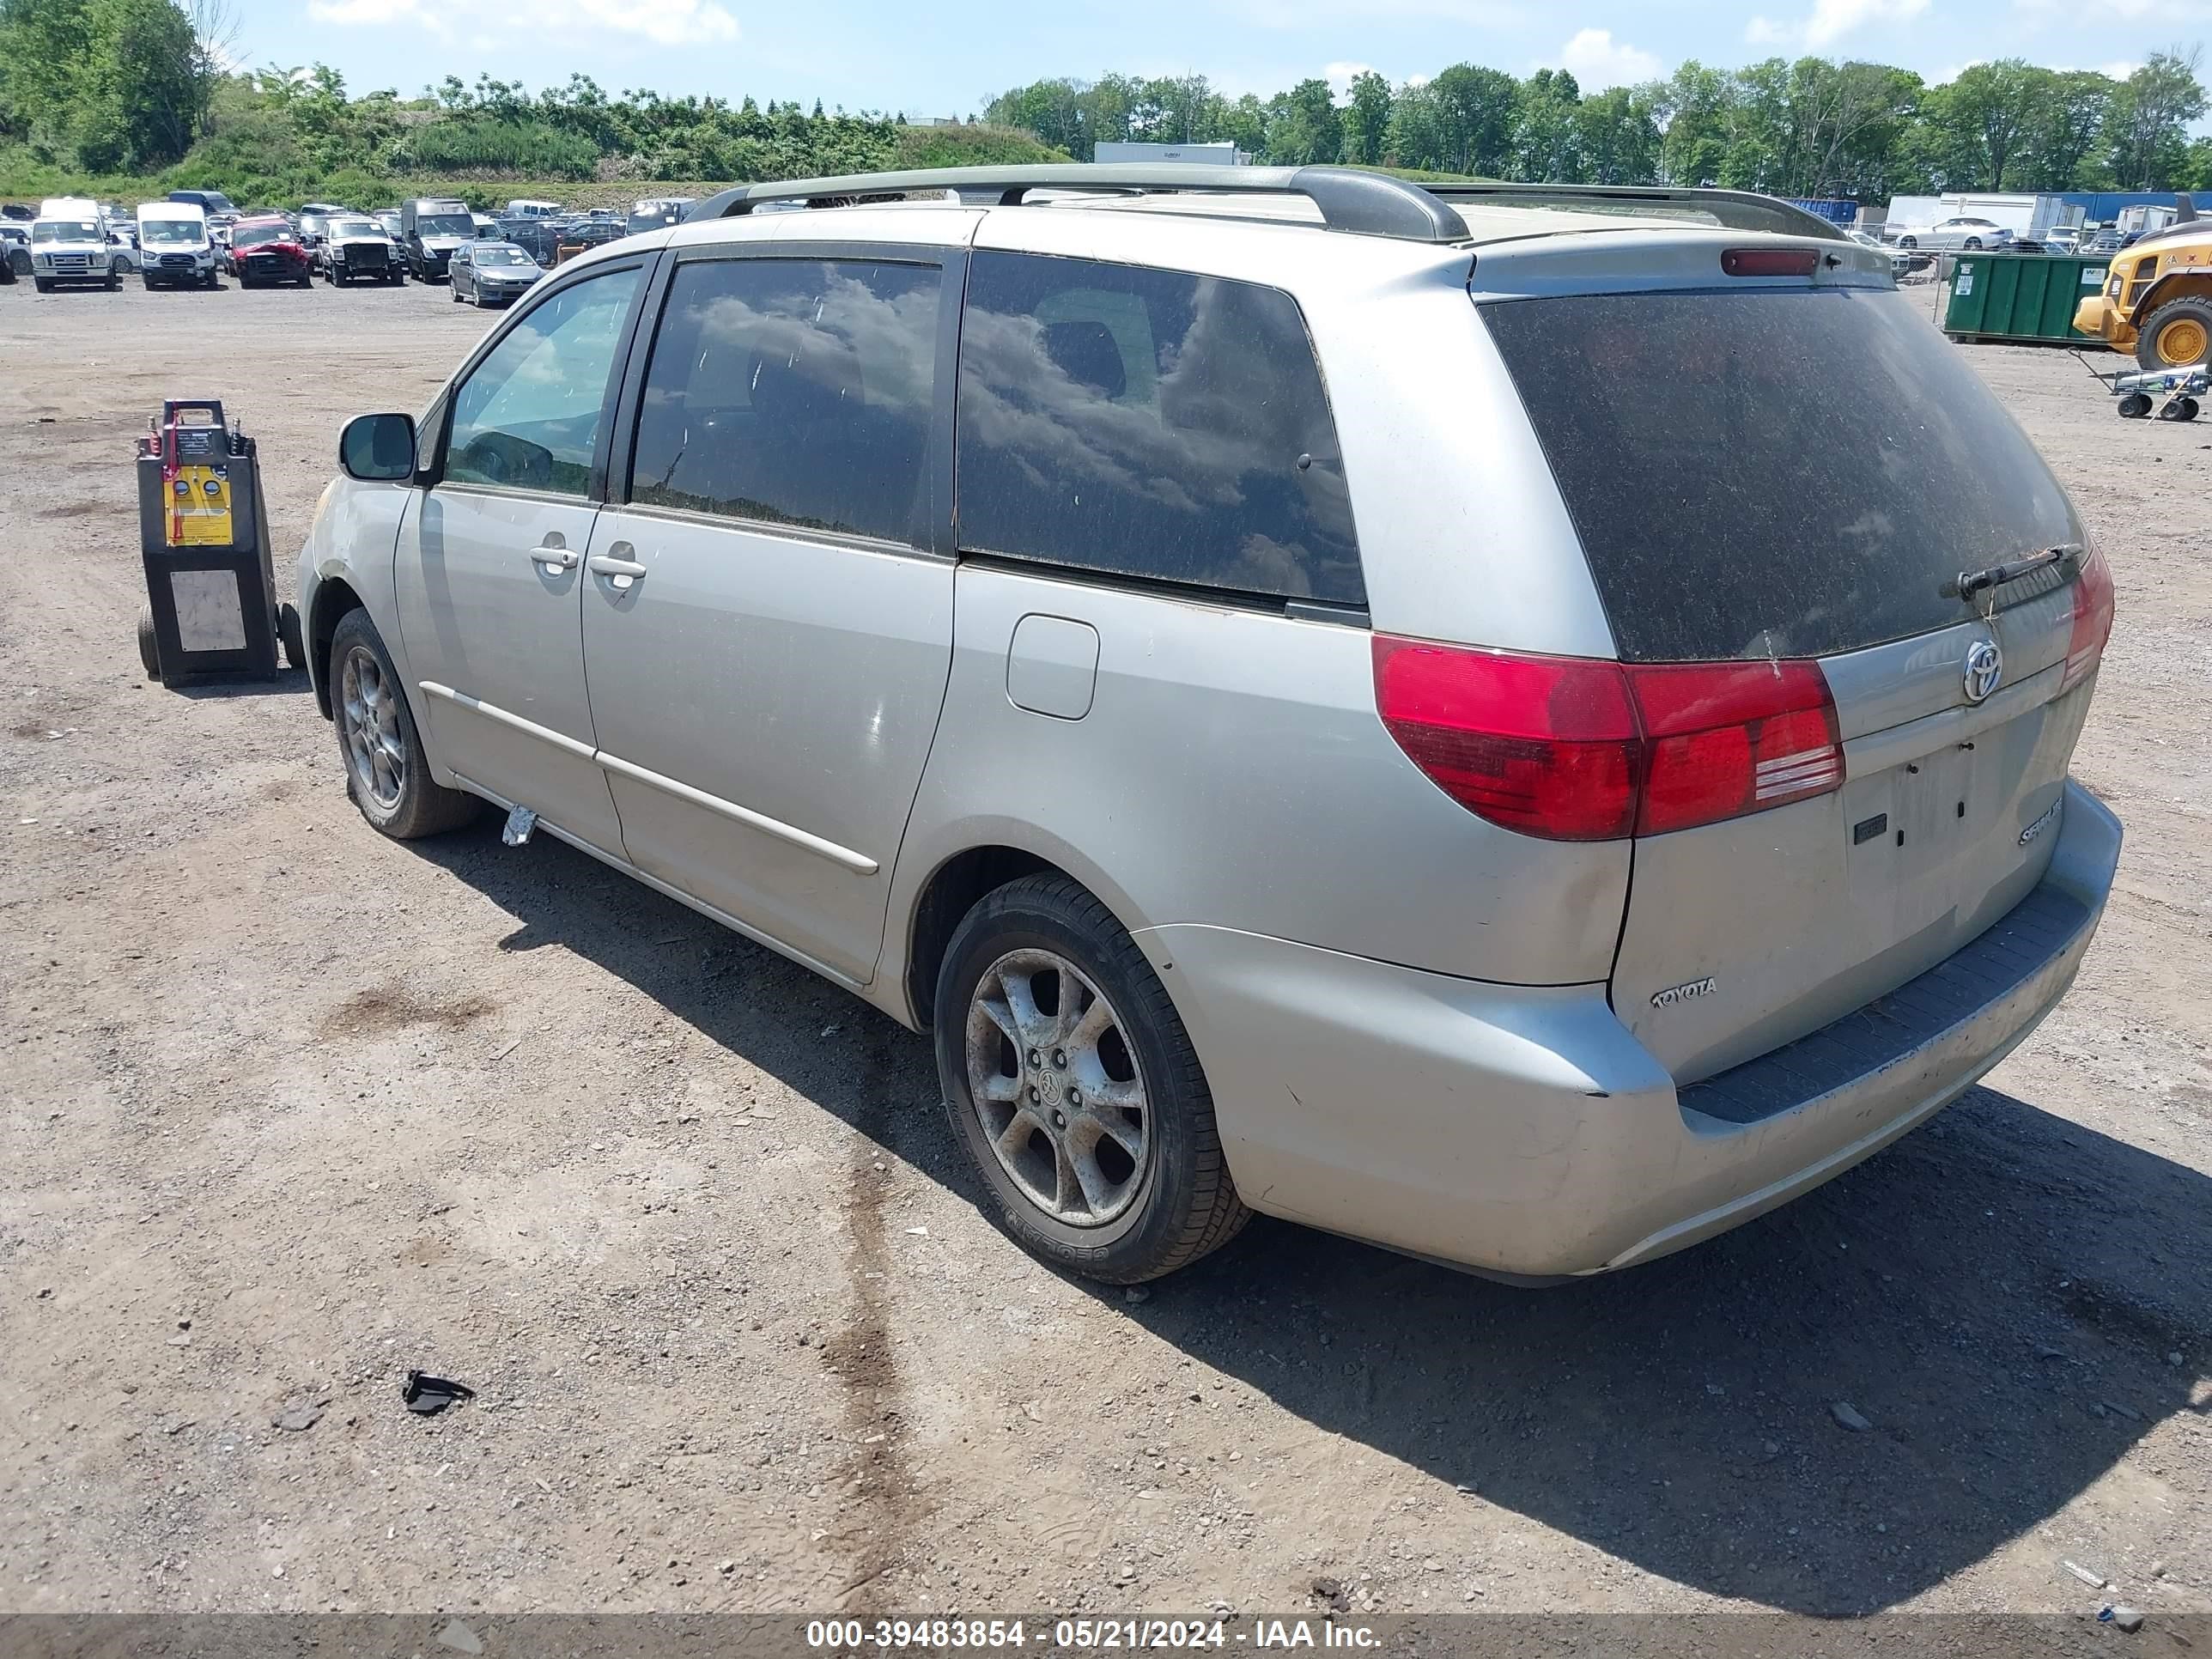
(219, 163)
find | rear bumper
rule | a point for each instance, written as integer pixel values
(1523, 1131)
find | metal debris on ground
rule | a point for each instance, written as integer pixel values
(426, 1395)
(2094, 1581)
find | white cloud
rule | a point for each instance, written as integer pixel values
(1598, 61)
(664, 22)
(1340, 75)
(1333, 14)
(1830, 21)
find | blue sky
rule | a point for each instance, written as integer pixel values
(949, 57)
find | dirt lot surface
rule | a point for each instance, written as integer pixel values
(287, 1109)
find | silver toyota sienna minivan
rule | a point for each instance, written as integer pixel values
(1529, 727)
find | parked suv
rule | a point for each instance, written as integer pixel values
(1528, 737)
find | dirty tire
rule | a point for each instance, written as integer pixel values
(1187, 1205)
(148, 652)
(420, 806)
(2188, 321)
(288, 635)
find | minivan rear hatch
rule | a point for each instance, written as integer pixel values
(1789, 481)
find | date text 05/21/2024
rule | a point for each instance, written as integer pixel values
(858, 1636)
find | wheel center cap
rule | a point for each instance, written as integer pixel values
(1048, 1083)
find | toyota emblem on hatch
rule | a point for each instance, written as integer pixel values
(1984, 668)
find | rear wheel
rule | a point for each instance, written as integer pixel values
(1974, 243)
(2177, 335)
(288, 635)
(1070, 1079)
(387, 774)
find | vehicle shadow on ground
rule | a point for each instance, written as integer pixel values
(1997, 1296)
(289, 683)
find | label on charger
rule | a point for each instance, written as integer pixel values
(209, 617)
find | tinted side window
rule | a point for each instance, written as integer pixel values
(1149, 424)
(528, 416)
(795, 391)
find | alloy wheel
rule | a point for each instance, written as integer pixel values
(369, 705)
(1056, 1084)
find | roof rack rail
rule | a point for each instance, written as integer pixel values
(1736, 209)
(1366, 203)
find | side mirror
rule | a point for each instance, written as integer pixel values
(377, 448)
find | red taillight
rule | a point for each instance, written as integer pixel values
(1770, 261)
(1722, 739)
(1572, 749)
(2093, 619)
(1545, 746)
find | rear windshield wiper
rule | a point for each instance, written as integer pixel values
(1967, 583)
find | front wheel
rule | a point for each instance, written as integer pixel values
(387, 774)
(2177, 334)
(1973, 243)
(2134, 406)
(1070, 1079)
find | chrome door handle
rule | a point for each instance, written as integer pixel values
(621, 572)
(556, 558)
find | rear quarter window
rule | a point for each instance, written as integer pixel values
(1149, 424)
(1785, 472)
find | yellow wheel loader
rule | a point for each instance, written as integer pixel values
(2157, 298)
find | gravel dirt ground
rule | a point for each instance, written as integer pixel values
(287, 1109)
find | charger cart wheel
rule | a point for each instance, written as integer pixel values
(149, 654)
(2134, 406)
(290, 636)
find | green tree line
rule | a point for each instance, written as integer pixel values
(141, 87)
(1810, 128)
(101, 89)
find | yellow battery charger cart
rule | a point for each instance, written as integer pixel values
(202, 534)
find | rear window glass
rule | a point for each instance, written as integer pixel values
(1786, 473)
(1149, 424)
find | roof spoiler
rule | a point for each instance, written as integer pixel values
(1734, 209)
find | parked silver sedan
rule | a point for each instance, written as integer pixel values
(491, 273)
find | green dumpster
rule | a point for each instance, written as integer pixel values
(2021, 296)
